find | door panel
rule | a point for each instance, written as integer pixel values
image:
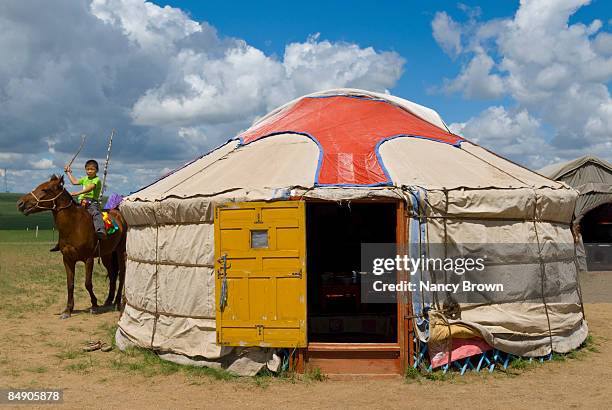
(264, 246)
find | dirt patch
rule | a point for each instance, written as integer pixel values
(37, 350)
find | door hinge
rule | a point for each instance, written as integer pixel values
(259, 329)
(297, 274)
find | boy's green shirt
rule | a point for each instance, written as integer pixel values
(93, 194)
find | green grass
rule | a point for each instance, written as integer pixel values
(108, 331)
(32, 279)
(69, 354)
(83, 367)
(144, 362)
(147, 363)
(11, 218)
(419, 375)
(591, 344)
(518, 363)
(412, 373)
(37, 369)
(314, 375)
(18, 237)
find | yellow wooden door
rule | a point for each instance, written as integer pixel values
(260, 252)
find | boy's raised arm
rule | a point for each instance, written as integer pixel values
(68, 172)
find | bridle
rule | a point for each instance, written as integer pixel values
(55, 207)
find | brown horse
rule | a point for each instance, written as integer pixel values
(78, 241)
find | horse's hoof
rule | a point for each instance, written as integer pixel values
(64, 315)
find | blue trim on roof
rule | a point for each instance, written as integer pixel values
(304, 134)
(382, 141)
(389, 182)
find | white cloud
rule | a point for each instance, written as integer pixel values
(10, 156)
(244, 82)
(200, 88)
(603, 44)
(476, 80)
(316, 65)
(447, 33)
(44, 163)
(171, 86)
(555, 71)
(150, 26)
(512, 134)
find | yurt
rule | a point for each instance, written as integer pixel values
(252, 255)
(592, 177)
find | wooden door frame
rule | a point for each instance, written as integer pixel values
(353, 351)
(404, 303)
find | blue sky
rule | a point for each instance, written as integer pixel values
(528, 80)
(401, 26)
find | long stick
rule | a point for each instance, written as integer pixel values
(83, 137)
(110, 144)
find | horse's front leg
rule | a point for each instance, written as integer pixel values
(69, 266)
(89, 264)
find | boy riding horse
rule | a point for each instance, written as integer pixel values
(88, 196)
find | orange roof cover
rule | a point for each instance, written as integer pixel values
(348, 131)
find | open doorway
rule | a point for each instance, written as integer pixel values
(596, 229)
(334, 234)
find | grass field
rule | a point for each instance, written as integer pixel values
(32, 278)
(22, 236)
(11, 218)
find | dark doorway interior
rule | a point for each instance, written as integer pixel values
(596, 229)
(334, 235)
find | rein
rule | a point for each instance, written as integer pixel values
(55, 207)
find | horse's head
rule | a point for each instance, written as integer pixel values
(44, 197)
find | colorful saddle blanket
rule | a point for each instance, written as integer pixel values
(109, 224)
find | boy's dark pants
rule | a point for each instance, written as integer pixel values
(94, 211)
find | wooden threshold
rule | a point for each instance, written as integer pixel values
(353, 359)
(353, 347)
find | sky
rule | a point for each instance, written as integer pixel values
(529, 80)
